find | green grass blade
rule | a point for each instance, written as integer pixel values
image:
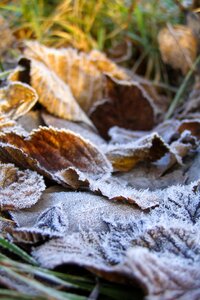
(18, 251)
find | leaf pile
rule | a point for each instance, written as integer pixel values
(123, 190)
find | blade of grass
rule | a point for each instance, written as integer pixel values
(45, 290)
(177, 98)
(18, 251)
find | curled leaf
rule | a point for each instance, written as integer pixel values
(125, 104)
(19, 189)
(16, 99)
(125, 156)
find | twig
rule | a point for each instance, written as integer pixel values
(182, 88)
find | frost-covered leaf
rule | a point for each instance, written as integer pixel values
(16, 99)
(59, 213)
(158, 250)
(125, 104)
(53, 93)
(81, 71)
(59, 154)
(19, 189)
(85, 131)
(125, 156)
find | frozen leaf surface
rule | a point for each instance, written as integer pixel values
(59, 213)
(158, 250)
(19, 189)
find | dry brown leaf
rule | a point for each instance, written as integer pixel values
(81, 71)
(59, 154)
(19, 189)
(53, 93)
(125, 104)
(178, 47)
(125, 156)
(16, 99)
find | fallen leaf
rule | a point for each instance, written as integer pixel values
(53, 93)
(178, 47)
(82, 72)
(125, 104)
(59, 154)
(60, 212)
(19, 189)
(159, 250)
(16, 99)
(125, 156)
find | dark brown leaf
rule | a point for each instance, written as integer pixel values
(125, 104)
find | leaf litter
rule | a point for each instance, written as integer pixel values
(127, 201)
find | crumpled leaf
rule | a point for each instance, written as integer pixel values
(80, 128)
(158, 250)
(53, 93)
(19, 189)
(125, 156)
(59, 154)
(82, 72)
(178, 47)
(125, 104)
(16, 99)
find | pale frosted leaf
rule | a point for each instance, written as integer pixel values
(160, 277)
(16, 99)
(59, 154)
(81, 71)
(59, 213)
(165, 265)
(80, 128)
(19, 189)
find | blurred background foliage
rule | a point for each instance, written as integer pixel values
(127, 30)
